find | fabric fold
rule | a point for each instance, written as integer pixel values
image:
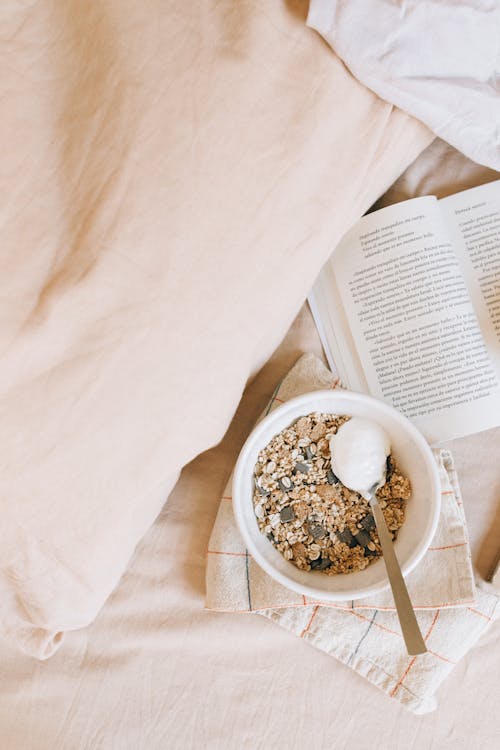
(437, 60)
(189, 172)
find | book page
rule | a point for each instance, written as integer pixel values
(413, 323)
(473, 219)
(334, 331)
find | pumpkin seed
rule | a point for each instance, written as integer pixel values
(367, 523)
(316, 530)
(331, 477)
(287, 514)
(362, 538)
(322, 563)
(303, 468)
(346, 537)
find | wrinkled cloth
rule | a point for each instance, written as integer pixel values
(173, 176)
(365, 634)
(438, 60)
(155, 670)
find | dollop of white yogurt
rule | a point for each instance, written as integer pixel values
(359, 453)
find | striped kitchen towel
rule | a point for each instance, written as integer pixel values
(365, 634)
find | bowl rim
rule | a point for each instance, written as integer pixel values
(238, 493)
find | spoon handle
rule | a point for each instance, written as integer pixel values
(411, 632)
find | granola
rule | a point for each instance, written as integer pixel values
(307, 513)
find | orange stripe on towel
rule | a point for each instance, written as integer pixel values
(414, 659)
(432, 625)
(440, 656)
(310, 621)
(376, 624)
(220, 552)
(481, 614)
(400, 681)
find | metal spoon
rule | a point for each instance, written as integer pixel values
(411, 632)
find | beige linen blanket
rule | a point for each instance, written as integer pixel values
(155, 671)
(173, 177)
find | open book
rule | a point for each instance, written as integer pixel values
(408, 310)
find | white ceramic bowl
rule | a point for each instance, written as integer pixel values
(415, 460)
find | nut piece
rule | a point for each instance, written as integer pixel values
(302, 427)
(301, 510)
(326, 492)
(318, 431)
